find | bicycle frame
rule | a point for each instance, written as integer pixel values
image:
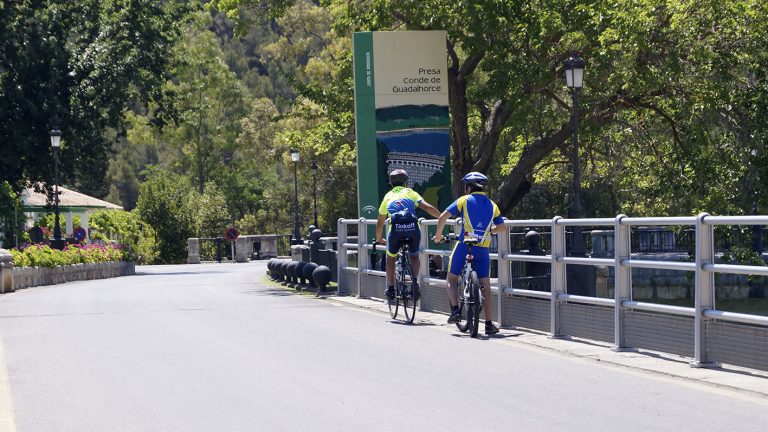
(470, 296)
(403, 288)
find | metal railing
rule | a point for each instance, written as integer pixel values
(702, 316)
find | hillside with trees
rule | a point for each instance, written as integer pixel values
(201, 101)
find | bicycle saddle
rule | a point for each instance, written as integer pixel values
(471, 240)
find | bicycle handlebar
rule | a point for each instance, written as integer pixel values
(374, 243)
(446, 238)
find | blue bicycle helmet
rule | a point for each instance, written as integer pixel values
(476, 179)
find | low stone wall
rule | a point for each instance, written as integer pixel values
(24, 277)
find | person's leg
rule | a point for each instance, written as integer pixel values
(485, 286)
(482, 266)
(453, 293)
(415, 266)
(455, 265)
(392, 239)
(391, 270)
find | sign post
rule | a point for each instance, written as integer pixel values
(232, 234)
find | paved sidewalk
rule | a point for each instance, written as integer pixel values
(736, 378)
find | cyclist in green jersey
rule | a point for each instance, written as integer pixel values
(399, 204)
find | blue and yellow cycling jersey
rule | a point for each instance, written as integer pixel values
(400, 199)
(478, 212)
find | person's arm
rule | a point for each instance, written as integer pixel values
(444, 216)
(498, 220)
(379, 225)
(429, 208)
(499, 227)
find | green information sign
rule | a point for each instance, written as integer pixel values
(401, 115)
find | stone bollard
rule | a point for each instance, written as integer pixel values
(243, 249)
(268, 246)
(321, 276)
(6, 272)
(193, 248)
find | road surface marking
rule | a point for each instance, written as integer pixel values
(6, 405)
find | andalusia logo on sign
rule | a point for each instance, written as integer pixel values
(369, 212)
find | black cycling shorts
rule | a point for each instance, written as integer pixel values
(403, 225)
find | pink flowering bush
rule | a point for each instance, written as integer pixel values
(43, 256)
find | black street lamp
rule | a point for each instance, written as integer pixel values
(574, 79)
(58, 242)
(314, 189)
(296, 230)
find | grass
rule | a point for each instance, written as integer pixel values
(331, 287)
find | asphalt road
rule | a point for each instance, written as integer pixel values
(218, 348)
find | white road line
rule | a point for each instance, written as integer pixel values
(6, 404)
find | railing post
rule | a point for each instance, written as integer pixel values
(705, 289)
(423, 256)
(622, 285)
(504, 273)
(558, 279)
(341, 257)
(362, 254)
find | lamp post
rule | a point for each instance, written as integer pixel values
(314, 189)
(574, 79)
(58, 242)
(296, 233)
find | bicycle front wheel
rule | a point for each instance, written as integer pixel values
(409, 304)
(465, 312)
(474, 305)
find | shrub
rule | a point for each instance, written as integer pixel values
(44, 256)
(139, 238)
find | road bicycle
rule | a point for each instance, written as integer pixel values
(403, 283)
(470, 295)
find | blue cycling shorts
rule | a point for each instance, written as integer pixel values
(480, 264)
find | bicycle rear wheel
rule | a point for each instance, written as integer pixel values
(409, 304)
(474, 305)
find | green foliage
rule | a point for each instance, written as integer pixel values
(10, 214)
(740, 255)
(212, 216)
(166, 204)
(44, 256)
(139, 238)
(676, 97)
(77, 65)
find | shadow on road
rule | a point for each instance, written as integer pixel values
(486, 337)
(415, 324)
(176, 273)
(268, 292)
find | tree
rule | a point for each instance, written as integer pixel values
(672, 87)
(166, 203)
(77, 66)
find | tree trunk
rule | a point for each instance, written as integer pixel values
(457, 100)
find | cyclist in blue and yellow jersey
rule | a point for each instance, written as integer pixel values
(480, 217)
(400, 205)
